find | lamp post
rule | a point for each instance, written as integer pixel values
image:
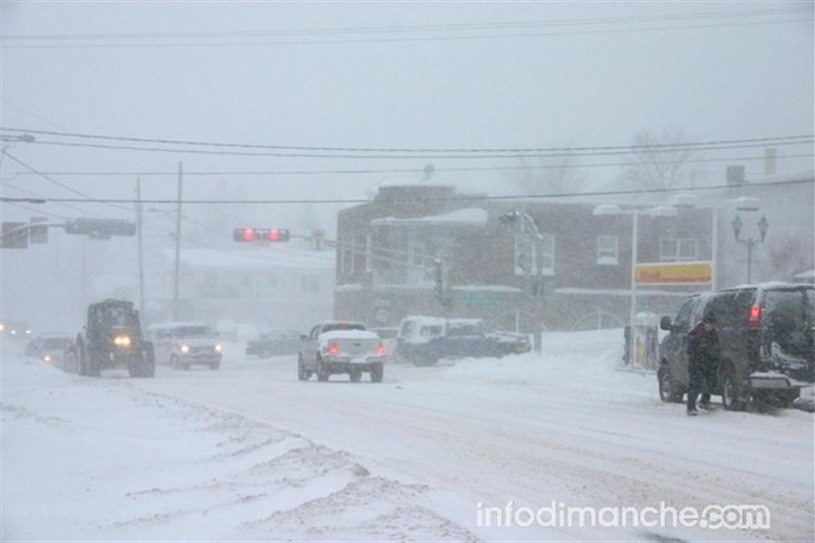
(763, 226)
(513, 217)
(613, 209)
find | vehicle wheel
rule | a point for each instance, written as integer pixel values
(149, 361)
(787, 398)
(731, 393)
(668, 388)
(302, 373)
(81, 356)
(377, 372)
(323, 373)
(174, 362)
(215, 365)
(355, 375)
(93, 368)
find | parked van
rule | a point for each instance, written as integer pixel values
(766, 336)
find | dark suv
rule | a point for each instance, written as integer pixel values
(766, 335)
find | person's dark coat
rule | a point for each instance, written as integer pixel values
(704, 354)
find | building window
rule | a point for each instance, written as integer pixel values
(311, 283)
(527, 259)
(677, 250)
(607, 251)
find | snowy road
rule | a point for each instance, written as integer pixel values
(249, 452)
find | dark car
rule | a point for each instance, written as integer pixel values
(273, 343)
(766, 336)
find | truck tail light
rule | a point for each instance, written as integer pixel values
(380, 350)
(754, 320)
(333, 349)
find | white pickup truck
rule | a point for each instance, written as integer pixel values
(341, 347)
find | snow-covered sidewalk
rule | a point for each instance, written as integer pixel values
(250, 453)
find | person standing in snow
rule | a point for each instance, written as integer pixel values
(704, 353)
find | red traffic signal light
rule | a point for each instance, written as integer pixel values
(261, 234)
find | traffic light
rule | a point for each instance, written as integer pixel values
(260, 234)
(15, 235)
(100, 228)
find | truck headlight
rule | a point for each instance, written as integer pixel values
(184, 348)
(122, 341)
(218, 348)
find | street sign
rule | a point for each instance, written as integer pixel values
(674, 273)
(100, 228)
(15, 235)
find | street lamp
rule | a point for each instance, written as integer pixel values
(613, 209)
(514, 217)
(763, 226)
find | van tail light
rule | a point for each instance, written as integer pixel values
(333, 349)
(754, 321)
(380, 350)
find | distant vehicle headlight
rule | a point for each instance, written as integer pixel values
(218, 348)
(122, 341)
(47, 358)
(184, 348)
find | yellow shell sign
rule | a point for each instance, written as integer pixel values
(673, 273)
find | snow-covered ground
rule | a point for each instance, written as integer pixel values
(466, 450)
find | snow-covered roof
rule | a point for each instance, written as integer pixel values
(469, 215)
(174, 324)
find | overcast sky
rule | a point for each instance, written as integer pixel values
(385, 75)
(440, 76)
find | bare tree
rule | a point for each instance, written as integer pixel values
(659, 161)
(555, 174)
(790, 254)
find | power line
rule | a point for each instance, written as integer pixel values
(541, 154)
(87, 197)
(37, 198)
(403, 39)
(233, 173)
(603, 149)
(458, 198)
(409, 28)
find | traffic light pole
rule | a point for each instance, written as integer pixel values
(140, 245)
(177, 243)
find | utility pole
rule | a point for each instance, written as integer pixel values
(177, 242)
(140, 245)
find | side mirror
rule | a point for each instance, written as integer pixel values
(303, 337)
(665, 324)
